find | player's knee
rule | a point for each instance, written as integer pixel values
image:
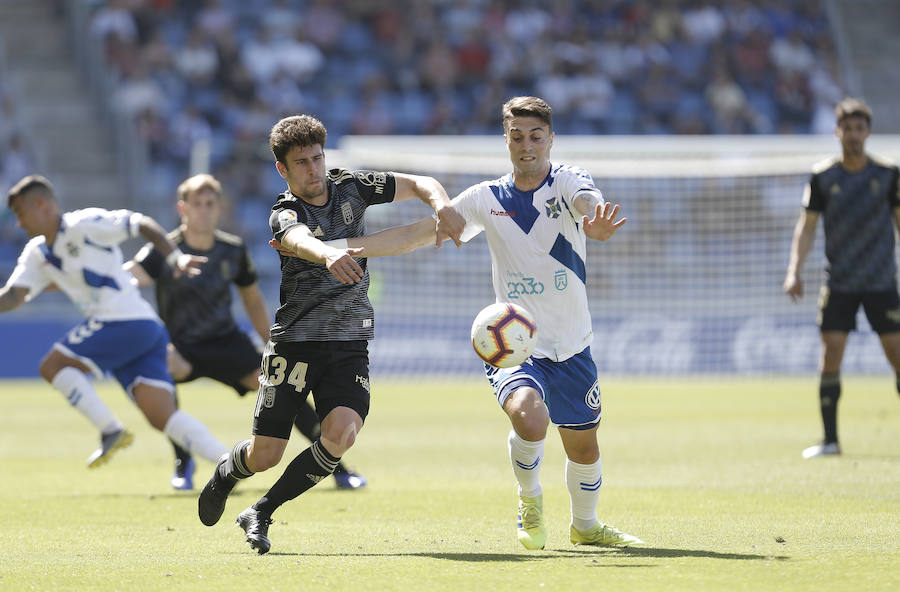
(339, 431)
(529, 416)
(49, 367)
(261, 459)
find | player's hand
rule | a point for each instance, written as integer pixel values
(276, 244)
(188, 265)
(450, 224)
(343, 266)
(793, 286)
(604, 223)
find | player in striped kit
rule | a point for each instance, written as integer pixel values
(537, 220)
(858, 196)
(79, 253)
(319, 340)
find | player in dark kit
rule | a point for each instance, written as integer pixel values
(859, 198)
(319, 340)
(205, 339)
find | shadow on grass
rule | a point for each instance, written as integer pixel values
(604, 552)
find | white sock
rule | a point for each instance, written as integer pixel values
(193, 436)
(526, 460)
(79, 391)
(583, 482)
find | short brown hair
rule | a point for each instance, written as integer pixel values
(851, 107)
(527, 107)
(198, 183)
(297, 130)
(27, 184)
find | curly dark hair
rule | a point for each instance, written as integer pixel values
(297, 130)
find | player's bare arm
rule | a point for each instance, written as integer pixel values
(300, 242)
(257, 312)
(598, 216)
(180, 262)
(12, 297)
(396, 240)
(142, 277)
(450, 222)
(804, 234)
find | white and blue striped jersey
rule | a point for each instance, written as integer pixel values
(85, 262)
(538, 252)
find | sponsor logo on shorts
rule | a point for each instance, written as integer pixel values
(269, 397)
(592, 399)
(363, 381)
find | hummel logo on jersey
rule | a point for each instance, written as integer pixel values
(318, 232)
(511, 214)
(314, 478)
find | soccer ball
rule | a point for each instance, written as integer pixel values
(504, 334)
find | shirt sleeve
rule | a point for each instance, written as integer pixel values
(27, 273)
(575, 181)
(813, 198)
(375, 187)
(466, 203)
(246, 275)
(283, 218)
(109, 227)
(150, 259)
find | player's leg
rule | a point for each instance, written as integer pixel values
(837, 317)
(338, 374)
(180, 369)
(883, 311)
(517, 391)
(307, 423)
(583, 480)
(66, 367)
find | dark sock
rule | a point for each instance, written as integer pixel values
(308, 468)
(235, 466)
(182, 456)
(829, 393)
(307, 422)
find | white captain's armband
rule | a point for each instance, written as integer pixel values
(338, 243)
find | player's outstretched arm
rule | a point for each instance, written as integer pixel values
(804, 234)
(396, 240)
(602, 223)
(143, 278)
(300, 242)
(180, 262)
(450, 223)
(12, 297)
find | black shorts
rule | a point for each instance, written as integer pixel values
(837, 310)
(336, 372)
(227, 359)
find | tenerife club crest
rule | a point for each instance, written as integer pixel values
(561, 280)
(552, 207)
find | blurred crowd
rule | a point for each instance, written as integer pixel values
(225, 70)
(16, 161)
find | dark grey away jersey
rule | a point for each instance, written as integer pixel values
(314, 305)
(199, 308)
(859, 223)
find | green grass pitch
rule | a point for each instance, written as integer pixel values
(707, 471)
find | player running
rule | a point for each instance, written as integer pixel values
(79, 253)
(206, 340)
(319, 340)
(858, 196)
(537, 220)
